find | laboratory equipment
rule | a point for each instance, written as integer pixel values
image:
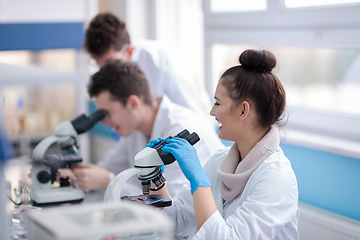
(19, 222)
(146, 165)
(45, 166)
(115, 220)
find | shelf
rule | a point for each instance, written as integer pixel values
(34, 76)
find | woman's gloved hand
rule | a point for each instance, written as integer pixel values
(186, 156)
(151, 144)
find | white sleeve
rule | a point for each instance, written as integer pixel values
(182, 212)
(182, 209)
(271, 205)
(116, 159)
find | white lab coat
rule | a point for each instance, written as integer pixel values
(170, 120)
(266, 209)
(169, 73)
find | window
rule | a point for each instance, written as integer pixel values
(315, 78)
(237, 5)
(318, 53)
(316, 3)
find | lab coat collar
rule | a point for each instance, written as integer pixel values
(234, 175)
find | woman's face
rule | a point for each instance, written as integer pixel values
(226, 116)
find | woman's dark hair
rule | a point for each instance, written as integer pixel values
(121, 79)
(105, 31)
(254, 82)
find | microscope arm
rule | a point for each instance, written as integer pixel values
(40, 149)
(113, 191)
(62, 132)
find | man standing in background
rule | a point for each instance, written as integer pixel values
(166, 69)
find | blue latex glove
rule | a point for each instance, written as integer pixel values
(186, 156)
(151, 144)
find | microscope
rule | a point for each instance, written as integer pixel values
(146, 165)
(45, 166)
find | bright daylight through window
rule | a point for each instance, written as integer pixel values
(316, 3)
(237, 5)
(315, 78)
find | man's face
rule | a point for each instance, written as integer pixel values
(123, 54)
(117, 116)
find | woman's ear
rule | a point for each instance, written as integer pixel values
(244, 109)
(133, 102)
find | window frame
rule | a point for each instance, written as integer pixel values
(296, 27)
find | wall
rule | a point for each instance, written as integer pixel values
(39, 24)
(326, 180)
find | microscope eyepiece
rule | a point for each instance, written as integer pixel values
(96, 116)
(83, 123)
(183, 134)
(193, 138)
(168, 158)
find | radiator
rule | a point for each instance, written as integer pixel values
(319, 224)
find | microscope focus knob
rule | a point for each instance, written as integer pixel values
(43, 176)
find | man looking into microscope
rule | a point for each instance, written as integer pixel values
(121, 90)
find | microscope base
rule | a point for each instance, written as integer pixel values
(57, 196)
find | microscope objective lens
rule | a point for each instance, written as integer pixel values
(145, 187)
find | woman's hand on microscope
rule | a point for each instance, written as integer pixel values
(152, 143)
(186, 156)
(90, 176)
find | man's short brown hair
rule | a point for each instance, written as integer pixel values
(121, 79)
(105, 31)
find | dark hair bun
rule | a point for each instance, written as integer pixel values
(258, 60)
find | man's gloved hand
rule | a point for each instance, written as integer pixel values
(186, 156)
(90, 176)
(151, 144)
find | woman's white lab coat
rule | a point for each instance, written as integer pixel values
(170, 120)
(266, 209)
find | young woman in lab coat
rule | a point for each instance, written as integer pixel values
(247, 191)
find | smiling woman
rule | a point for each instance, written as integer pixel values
(251, 183)
(249, 99)
(317, 48)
